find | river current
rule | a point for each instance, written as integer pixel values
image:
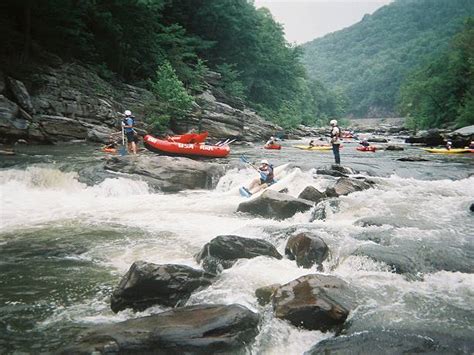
(64, 245)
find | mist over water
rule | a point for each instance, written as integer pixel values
(65, 245)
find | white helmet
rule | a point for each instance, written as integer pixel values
(128, 113)
(264, 161)
(333, 122)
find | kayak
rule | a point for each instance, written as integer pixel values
(109, 150)
(183, 149)
(317, 147)
(280, 172)
(272, 146)
(188, 138)
(448, 151)
(370, 148)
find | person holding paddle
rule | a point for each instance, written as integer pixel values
(127, 125)
(265, 179)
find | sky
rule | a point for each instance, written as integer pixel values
(305, 20)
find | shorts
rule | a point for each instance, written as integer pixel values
(130, 137)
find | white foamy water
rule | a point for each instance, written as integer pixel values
(171, 228)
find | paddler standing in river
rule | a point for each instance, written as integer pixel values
(127, 125)
(335, 140)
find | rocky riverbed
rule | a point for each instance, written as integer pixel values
(133, 254)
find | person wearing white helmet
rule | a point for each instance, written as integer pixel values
(335, 140)
(271, 141)
(127, 125)
(265, 179)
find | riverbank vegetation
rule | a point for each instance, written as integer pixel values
(141, 41)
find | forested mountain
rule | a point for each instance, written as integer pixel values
(369, 60)
(162, 44)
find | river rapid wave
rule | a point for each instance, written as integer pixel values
(64, 246)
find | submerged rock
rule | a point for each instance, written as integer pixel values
(306, 249)
(168, 174)
(412, 159)
(472, 207)
(375, 342)
(272, 204)
(394, 147)
(264, 294)
(223, 251)
(314, 302)
(201, 329)
(147, 284)
(345, 186)
(322, 209)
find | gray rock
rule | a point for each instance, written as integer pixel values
(168, 174)
(272, 204)
(314, 302)
(8, 110)
(336, 171)
(377, 140)
(264, 294)
(412, 159)
(2, 82)
(322, 209)
(345, 186)
(146, 284)
(201, 329)
(330, 173)
(394, 147)
(306, 249)
(310, 193)
(472, 207)
(62, 128)
(99, 134)
(223, 251)
(21, 95)
(432, 137)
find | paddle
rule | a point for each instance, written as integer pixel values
(246, 161)
(123, 149)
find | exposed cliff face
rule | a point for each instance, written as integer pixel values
(68, 102)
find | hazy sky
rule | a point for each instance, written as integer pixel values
(305, 20)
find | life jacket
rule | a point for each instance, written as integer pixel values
(336, 137)
(267, 176)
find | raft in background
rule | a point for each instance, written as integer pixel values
(272, 146)
(370, 148)
(183, 149)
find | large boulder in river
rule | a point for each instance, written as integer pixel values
(314, 302)
(146, 284)
(345, 186)
(272, 204)
(310, 193)
(432, 137)
(168, 174)
(336, 171)
(223, 251)
(201, 329)
(306, 249)
(462, 137)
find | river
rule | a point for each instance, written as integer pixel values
(64, 245)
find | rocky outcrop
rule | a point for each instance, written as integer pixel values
(168, 174)
(306, 249)
(223, 251)
(377, 140)
(345, 186)
(432, 137)
(201, 329)
(264, 294)
(315, 302)
(462, 137)
(310, 193)
(394, 147)
(336, 171)
(272, 204)
(413, 158)
(146, 284)
(472, 207)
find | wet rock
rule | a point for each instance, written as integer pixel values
(377, 140)
(330, 173)
(462, 137)
(324, 208)
(21, 95)
(2, 82)
(412, 159)
(264, 294)
(62, 128)
(343, 169)
(345, 186)
(306, 249)
(375, 342)
(147, 284)
(223, 251)
(432, 137)
(379, 221)
(99, 134)
(272, 204)
(394, 147)
(168, 174)
(472, 207)
(201, 329)
(310, 193)
(314, 302)
(336, 171)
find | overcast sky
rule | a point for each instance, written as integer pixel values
(305, 20)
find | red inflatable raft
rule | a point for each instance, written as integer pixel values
(189, 138)
(370, 148)
(174, 148)
(272, 146)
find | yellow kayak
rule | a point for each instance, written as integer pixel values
(448, 151)
(319, 147)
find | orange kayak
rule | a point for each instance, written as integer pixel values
(189, 138)
(185, 149)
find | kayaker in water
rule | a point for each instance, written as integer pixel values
(335, 140)
(311, 143)
(266, 178)
(471, 145)
(364, 143)
(449, 145)
(271, 141)
(127, 124)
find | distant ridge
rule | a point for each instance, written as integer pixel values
(370, 59)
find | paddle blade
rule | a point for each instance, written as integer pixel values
(122, 151)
